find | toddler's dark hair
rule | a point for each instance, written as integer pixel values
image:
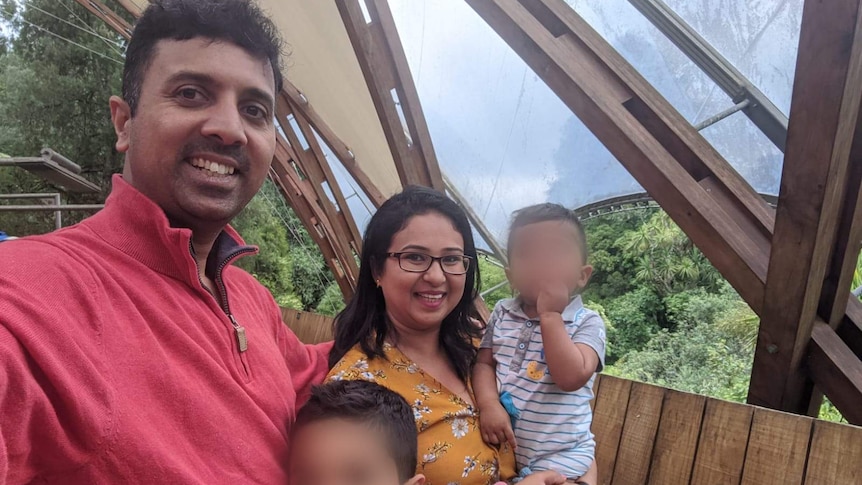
(546, 212)
(371, 404)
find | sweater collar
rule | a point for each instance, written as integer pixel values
(137, 226)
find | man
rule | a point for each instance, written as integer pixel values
(131, 351)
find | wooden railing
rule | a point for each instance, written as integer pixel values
(647, 434)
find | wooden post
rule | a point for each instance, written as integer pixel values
(811, 200)
(390, 84)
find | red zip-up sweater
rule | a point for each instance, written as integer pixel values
(118, 366)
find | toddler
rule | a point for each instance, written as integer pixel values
(537, 361)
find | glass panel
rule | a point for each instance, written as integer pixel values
(506, 141)
(760, 38)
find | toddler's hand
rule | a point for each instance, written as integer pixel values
(496, 426)
(553, 297)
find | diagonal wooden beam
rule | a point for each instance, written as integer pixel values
(130, 7)
(390, 84)
(108, 16)
(311, 160)
(301, 105)
(704, 195)
(811, 203)
(300, 194)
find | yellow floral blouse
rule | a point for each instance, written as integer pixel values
(451, 449)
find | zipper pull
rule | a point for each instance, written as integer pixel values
(239, 332)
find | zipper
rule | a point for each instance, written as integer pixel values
(238, 330)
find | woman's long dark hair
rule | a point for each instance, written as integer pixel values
(364, 320)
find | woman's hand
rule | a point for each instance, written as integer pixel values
(495, 424)
(543, 478)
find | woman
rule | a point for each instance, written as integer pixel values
(408, 328)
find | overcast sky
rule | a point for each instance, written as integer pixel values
(506, 140)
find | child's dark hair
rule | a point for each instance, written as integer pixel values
(547, 212)
(371, 404)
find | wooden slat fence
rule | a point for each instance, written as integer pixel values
(647, 434)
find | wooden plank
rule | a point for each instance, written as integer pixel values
(777, 448)
(721, 447)
(839, 273)
(596, 383)
(97, 8)
(835, 455)
(610, 413)
(810, 198)
(322, 170)
(677, 438)
(345, 240)
(310, 328)
(300, 104)
(384, 66)
(837, 371)
(130, 7)
(645, 133)
(635, 451)
(300, 195)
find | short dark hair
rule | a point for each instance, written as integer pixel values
(371, 404)
(239, 22)
(546, 212)
(363, 321)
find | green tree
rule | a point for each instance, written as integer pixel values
(55, 94)
(272, 267)
(492, 275)
(666, 259)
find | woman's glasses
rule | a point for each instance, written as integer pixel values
(455, 264)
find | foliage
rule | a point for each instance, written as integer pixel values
(701, 357)
(332, 301)
(493, 274)
(272, 267)
(54, 94)
(665, 259)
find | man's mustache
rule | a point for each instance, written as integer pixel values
(237, 153)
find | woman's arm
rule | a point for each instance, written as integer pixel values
(494, 421)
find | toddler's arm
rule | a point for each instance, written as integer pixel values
(494, 421)
(571, 364)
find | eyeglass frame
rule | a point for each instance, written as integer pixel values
(437, 259)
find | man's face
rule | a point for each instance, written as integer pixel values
(202, 139)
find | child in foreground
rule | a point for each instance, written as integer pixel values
(544, 348)
(354, 433)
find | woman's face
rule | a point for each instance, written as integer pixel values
(418, 302)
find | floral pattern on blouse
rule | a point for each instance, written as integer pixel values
(451, 449)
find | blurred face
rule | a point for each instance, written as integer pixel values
(342, 452)
(546, 251)
(418, 302)
(202, 139)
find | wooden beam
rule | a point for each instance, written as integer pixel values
(300, 104)
(108, 16)
(300, 195)
(837, 371)
(320, 170)
(704, 195)
(310, 162)
(390, 84)
(130, 7)
(810, 203)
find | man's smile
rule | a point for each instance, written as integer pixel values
(213, 167)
